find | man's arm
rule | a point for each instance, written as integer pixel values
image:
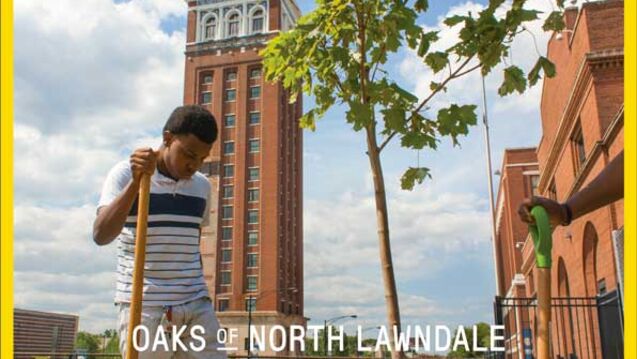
(604, 189)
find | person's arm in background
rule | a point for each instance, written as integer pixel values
(604, 189)
(112, 217)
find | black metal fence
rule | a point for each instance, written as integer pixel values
(581, 328)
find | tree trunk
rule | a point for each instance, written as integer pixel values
(382, 221)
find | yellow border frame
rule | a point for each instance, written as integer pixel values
(6, 179)
(630, 180)
(6, 182)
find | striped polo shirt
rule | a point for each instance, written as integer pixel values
(173, 271)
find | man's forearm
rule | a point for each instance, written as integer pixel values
(111, 219)
(606, 188)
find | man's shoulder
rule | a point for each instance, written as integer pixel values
(200, 181)
(121, 169)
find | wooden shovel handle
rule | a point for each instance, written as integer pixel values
(138, 271)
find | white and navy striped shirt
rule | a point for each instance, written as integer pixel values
(173, 271)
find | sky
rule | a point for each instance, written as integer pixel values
(95, 79)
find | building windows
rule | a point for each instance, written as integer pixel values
(209, 168)
(206, 98)
(231, 75)
(234, 20)
(210, 28)
(228, 147)
(253, 238)
(228, 171)
(226, 233)
(255, 92)
(252, 283)
(255, 73)
(253, 195)
(229, 120)
(206, 79)
(251, 304)
(253, 174)
(253, 145)
(255, 118)
(251, 261)
(577, 145)
(257, 22)
(225, 277)
(226, 212)
(226, 256)
(253, 216)
(535, 180)
(223, 305)
(231, 95)
(228, 192)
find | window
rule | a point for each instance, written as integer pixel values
(228, 147)
(253, 216)
(255, 118)
(226, 255)
(253, 238)
(226, 233)
(229, 120)
(206, 79)
(233, 25)
(253, 194)
(535, 180)
(253, 145)
(251, 304)
(252, 283)
(226, 212)
(223, 305)
(579, 152)
(257, 21)
(255, 73)
(228, 191)
(228, 171)
(231, 95)
(231, 76)
(225, 277)
(253, 174)
(209, 168)
(255, 91)
(252, 260)
(206, 97)
(210, 28)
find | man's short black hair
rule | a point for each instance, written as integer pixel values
(193, 119)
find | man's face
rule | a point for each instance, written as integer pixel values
(184, 154)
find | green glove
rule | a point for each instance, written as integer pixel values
(541, 234)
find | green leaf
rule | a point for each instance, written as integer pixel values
(421, 5)
(514, 80)
(543, 64)
(454, 20)
(554, 22)
(455, 120)
(434, 86)
(528, 15)
(413, 175)
(437, 60)
(308, 121)
(425, 42)
(394, 118)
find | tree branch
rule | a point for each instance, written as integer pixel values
(386, 141)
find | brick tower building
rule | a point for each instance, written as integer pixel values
(253, 250)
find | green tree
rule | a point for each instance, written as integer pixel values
(484, 340)
(337, 52)
(87, 341)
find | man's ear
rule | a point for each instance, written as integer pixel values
(168, 138)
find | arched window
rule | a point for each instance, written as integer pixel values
(257, 21)
(234, 22)
(210, 28)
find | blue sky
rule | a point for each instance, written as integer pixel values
(113, 73)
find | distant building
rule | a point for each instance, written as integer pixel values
(582, 116)
(42, 332)
(253, 251)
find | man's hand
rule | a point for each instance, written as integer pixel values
(143, 161)
(557, 212)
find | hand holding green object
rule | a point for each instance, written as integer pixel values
(541, 234)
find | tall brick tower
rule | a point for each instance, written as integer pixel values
(253, 250)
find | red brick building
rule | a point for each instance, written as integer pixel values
(253, 254)
(37, 333)
(582, 130)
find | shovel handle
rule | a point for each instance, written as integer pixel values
(138, 271)
(542, 241)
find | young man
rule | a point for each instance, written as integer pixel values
(175, 293)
